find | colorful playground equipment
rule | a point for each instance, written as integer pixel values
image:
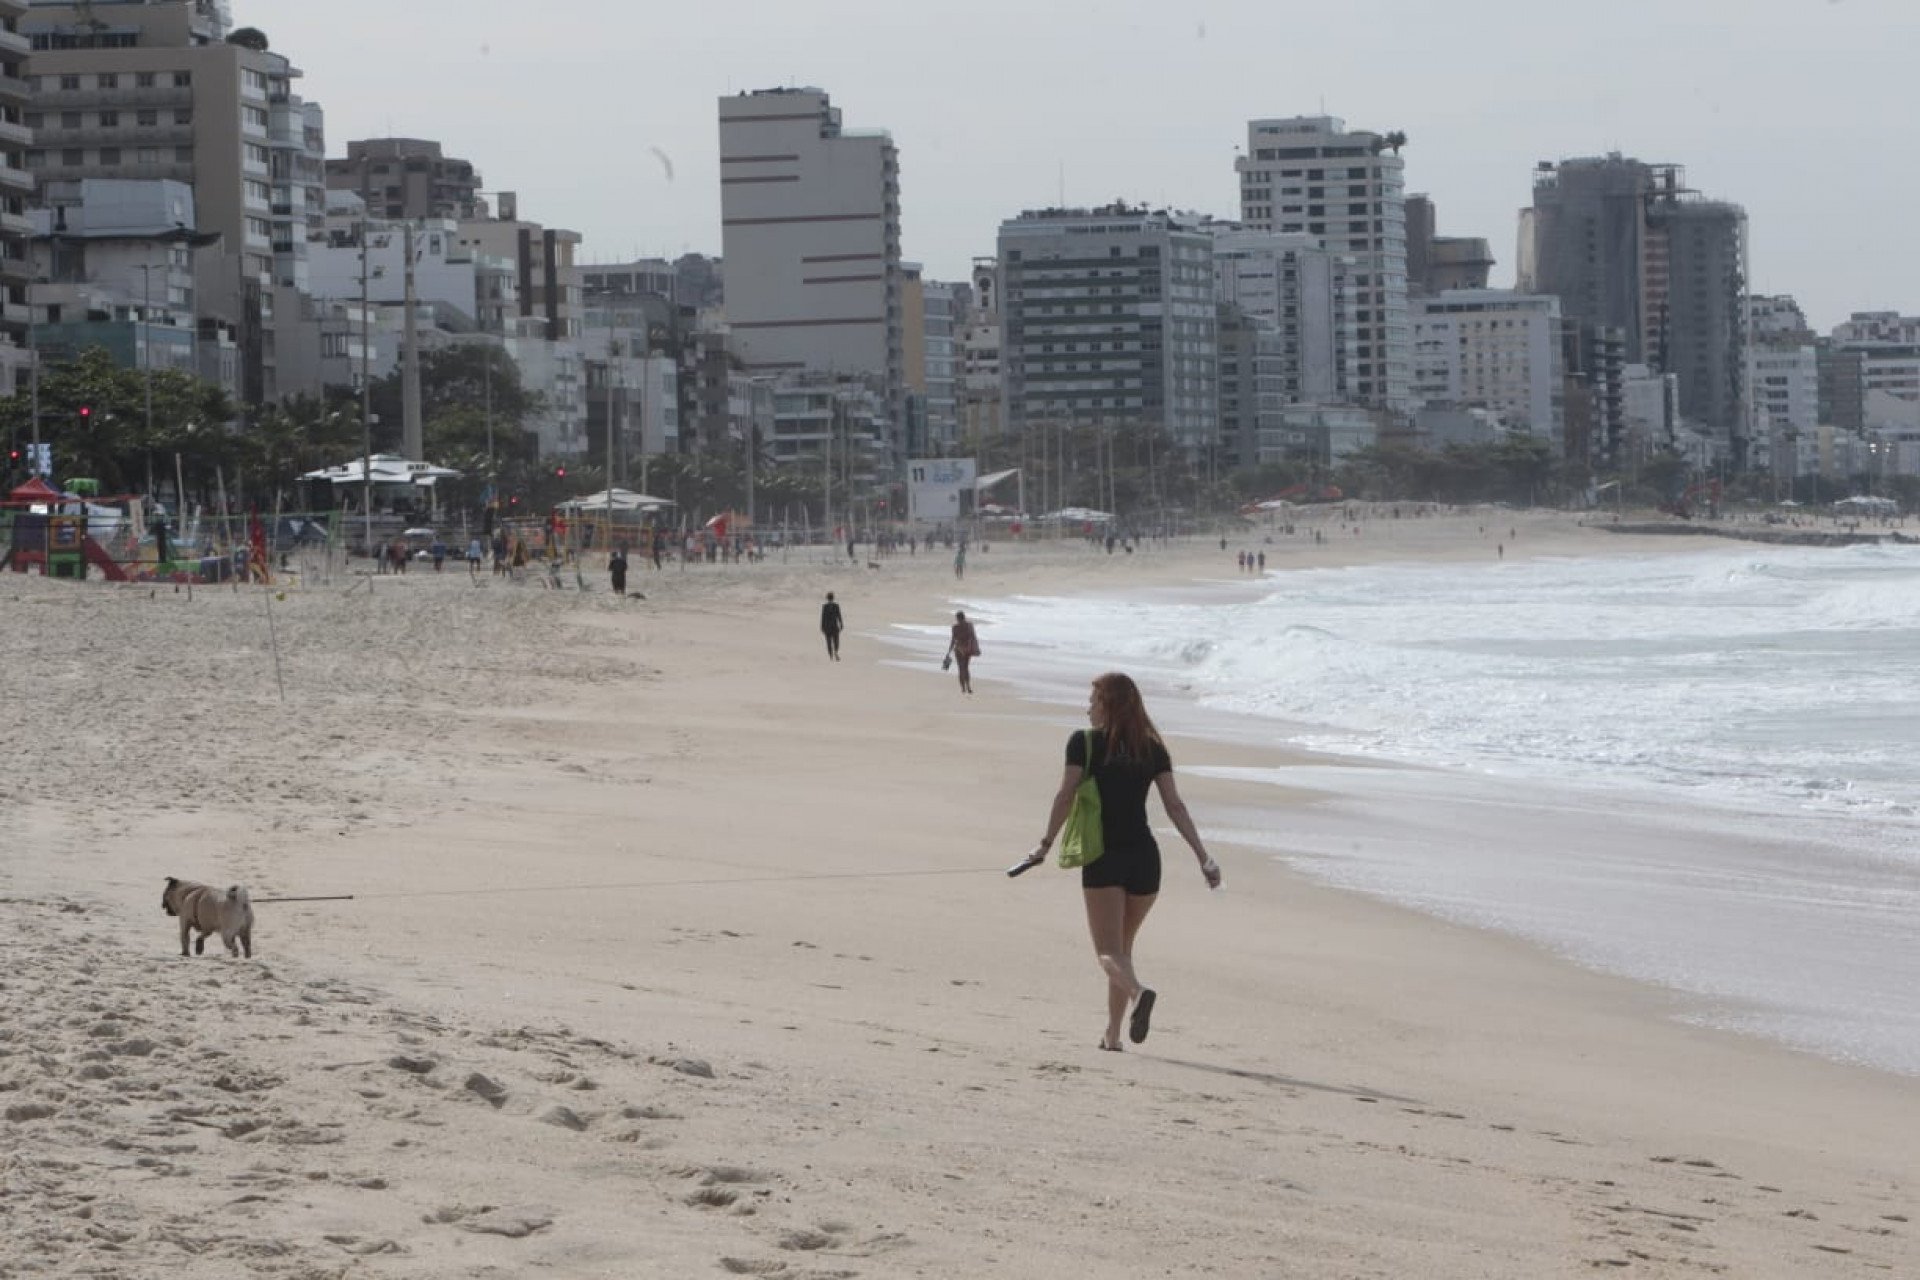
(50, 534)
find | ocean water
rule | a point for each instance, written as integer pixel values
(1698, 770)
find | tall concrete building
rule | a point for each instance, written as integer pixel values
(16, 189)
(1696, 305)
(1493, 349)
(1589, 243)
(1310, 174)
(1108, 316)
(1631, 251)
(409, 178)
(154, 91)
(810, 232)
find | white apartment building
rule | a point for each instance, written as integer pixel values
(1310, 175)
(1492, 349)
(1108, 315)
(1650, 409)
(446, 273)
(1292, 283)
(810, 233)
(1786, 388)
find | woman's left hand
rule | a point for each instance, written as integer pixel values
(1211, 870)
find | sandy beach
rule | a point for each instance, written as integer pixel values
(676, 949)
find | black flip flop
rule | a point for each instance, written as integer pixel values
(1142, 1019)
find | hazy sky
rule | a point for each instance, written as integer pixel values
(1801, 110)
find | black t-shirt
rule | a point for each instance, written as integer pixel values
(1123, 784)
(830, 616)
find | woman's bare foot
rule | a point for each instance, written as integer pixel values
(1111, 1042)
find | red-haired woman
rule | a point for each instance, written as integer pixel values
(1127, 760)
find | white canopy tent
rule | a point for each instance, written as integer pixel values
(622, 501)
(384, 468)
(392, 477)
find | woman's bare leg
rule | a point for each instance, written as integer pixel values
(1113, 919)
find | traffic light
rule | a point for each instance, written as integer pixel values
(560, 473)
(86, 412)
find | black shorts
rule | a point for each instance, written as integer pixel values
(1135, 870)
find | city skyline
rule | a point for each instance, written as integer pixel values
(1757, 110)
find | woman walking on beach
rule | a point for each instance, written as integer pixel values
(1126, 756)
(963, 648)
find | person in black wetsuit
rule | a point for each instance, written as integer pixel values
(1128, 760)
(831, 625)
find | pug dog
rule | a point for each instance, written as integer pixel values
(205, 910)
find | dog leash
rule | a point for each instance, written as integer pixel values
(636, 884)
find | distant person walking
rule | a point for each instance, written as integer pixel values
(474, 556)
(960, 561)
(1126, 756)
(617, 568)
(963, 648)
(831, 625)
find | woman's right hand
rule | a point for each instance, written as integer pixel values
(1211, 870)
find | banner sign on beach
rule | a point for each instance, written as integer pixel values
(940, 489)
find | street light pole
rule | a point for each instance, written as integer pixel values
(366, 390)
(146, 358)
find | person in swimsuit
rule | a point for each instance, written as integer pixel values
(832, 623)
(1128, 759)
(963, 649)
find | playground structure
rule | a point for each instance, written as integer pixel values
(50, 534)
(65, 533)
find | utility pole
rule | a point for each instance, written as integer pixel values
(412, 438)
(613, 356)
(366, 388)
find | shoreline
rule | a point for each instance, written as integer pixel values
(1713, 836)
(801, 889)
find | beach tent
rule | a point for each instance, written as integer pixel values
(384, 468)
(1864, 506)
(623, 501)
(1077, 515)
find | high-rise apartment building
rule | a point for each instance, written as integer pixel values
(981, 418)
(154, 91)
(1696, 305)
(1292, 283)
(810, 233)
(550, 297)
(16, 189)
(1310, 174)
(943, 319)
(1493, 349)
(408, 178)
(1630, 250)
(1786, 382)
(1870, 374)
(1108, 316)
(1588, 233)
